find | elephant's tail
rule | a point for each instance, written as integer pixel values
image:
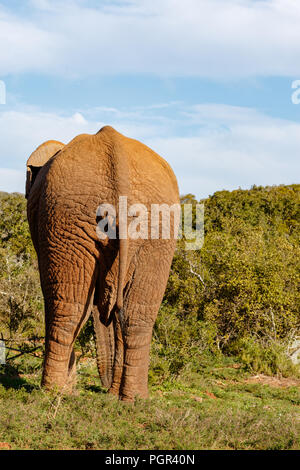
(105, 348)
(123, 255)
(121, 177)
(110, 333)
(121, 170)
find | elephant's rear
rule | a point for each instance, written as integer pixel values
(73, 262)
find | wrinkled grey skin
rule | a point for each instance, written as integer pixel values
(81, 274)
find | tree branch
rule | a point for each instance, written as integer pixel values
(196, 274)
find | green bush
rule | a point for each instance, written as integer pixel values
(21, 303)
(270, 358)
(245, 278)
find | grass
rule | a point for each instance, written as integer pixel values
(215, 408)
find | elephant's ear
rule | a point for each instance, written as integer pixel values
(38, 159)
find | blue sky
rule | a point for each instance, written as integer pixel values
(205, 83)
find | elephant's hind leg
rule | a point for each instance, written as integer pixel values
(68, 304)
(142, 302)
(60, 365)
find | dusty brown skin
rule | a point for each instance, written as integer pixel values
(80, 274)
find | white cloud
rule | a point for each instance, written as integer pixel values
(23, 131)
(226, 146)
(233, 147)
(24, 46)
(207, 38)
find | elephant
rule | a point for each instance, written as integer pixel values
(119, 281)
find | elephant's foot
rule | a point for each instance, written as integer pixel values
(131, 388)
(113, 394)
(115, 386)
(62, 381)
(130, 397)
(64, 387)
(128, 393)
(114, 391)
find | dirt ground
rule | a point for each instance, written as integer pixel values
(280, 382)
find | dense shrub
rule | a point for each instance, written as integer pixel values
(245, 278)
(21, 306)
